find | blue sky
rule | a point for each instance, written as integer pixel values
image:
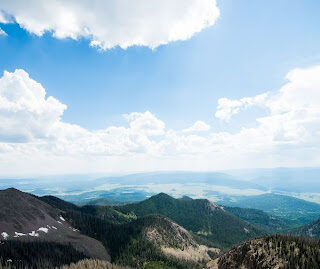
(248, 51)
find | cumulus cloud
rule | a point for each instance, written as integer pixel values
(198, 126)
(25, 112)
(145, 123)
(113, 23)
(293, 117)
(227, 107)
(31, 129)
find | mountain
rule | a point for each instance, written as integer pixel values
(295, 211)
(164, 238)
(278, 251)
(296, 180)
(260, 219)
(210, 178)
(133, 241)
(200, 216)
(311, 229)
(148, 239)
(25, 218)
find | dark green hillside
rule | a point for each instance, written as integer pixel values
(277, 251)
(311, 229)
(200, 216)
(104, 212)
(296, 211)
(127, 243)
(260, 219)
(18, 254)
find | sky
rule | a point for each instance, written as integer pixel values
(120, 86)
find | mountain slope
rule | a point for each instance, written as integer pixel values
(200, 216)
(150, 239)
(260, 219)
(311, 229)
(104, 212)
(278, 251)
(37, 254)
(296, 211)
(147, 239)
(26, 218)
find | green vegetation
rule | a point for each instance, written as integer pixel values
(157, 265)
(199, 216)
(295, 211)
(19, 254)
(126, 242)
(263, 221)
(104, 212)
(277, 251)
(93, 264)
(311, 229)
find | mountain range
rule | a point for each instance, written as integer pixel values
(159, 232)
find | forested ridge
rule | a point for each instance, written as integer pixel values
(274, 251)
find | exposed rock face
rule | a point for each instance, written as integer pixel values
(176, 241)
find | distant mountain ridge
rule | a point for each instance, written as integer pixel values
(294, 210)
(260, 219)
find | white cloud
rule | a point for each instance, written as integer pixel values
(198, 126)
(25, 112)
(113, 23)
(145, 123)
(2, 33)
(33, 135)
(227, 108)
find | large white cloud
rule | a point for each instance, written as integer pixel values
(32, 132)
(25, 112)
(294, 111)
(145, 123)
(110, 23)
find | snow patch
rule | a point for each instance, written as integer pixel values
(4, 235)
(246, 230)
(33, 233)
(59, 222)
(19, 234)
(62, 218)
(53, 227)
(42, 229)
(73, 229)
